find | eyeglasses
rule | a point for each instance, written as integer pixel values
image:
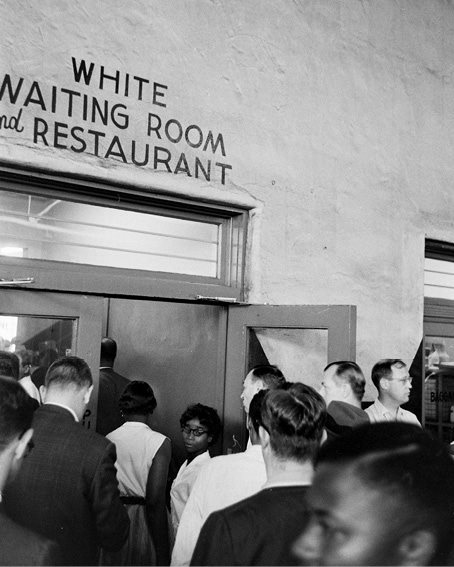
(402, 380)
(196, 431)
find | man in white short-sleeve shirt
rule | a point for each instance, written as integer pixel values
(390, 377)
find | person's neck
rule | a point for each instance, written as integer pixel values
(192, 456)
(137, 417)
(353, 401)
(389, 403)
(280, 471)
(61, 400)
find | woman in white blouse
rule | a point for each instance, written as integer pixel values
(200, 427)
(143, 457)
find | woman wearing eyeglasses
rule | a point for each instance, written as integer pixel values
(200, 427)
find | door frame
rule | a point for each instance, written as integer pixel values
(87, 311)
(338, 320)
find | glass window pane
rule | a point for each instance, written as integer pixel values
(439, 385)
(38, 341)
(301, 354)
(438, 279)
(53, 229)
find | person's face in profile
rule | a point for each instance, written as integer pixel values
(250, 388)
(351, 523)
(331, 390)
(399, 384)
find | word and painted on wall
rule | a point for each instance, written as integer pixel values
(87, 122)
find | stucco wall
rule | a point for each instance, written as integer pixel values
(337, 121)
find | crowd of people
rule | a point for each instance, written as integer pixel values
(321, 482)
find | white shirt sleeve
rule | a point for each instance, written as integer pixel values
(191, 522)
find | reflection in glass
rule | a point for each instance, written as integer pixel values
(38, 341)
(439, 386)
(301, 354)
(53, 229)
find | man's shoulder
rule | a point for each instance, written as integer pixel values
(109, 374)
(372, 408)
(409, 416)
(222, 461)
(21, 546)
(56, 423)
(265, 499)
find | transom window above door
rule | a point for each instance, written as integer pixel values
(55, 229)
(133, 238)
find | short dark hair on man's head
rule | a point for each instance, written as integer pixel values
(137, 398)
(349, 371)
(255, 409)
(384, 369)
(404, 463)
(108, 350)
(16, 411)
(9, 364)
(294, 417)
(269, 374)
(207, 416)
(69, 371)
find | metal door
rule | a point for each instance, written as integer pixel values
(179, 349)
(300, 339)
(58, 323)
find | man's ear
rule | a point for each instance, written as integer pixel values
(264, 437)
(22, 444)
(417, 548)
(88, 395)
(383, 383)
(345, 389)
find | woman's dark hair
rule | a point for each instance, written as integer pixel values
(207, 416)
(137, 398)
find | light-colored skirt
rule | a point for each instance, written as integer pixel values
(139, 548)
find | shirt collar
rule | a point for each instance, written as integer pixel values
(71, 411)
(254, 449)
(385, 411)
(303, 477)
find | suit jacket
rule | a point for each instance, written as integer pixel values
(259, 530)
(111, 386)
(342, 417)
(67, 488)
(19, 546)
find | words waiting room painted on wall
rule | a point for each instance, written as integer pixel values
(156, 141)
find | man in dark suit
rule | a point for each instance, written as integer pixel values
(18, 546)
(261, 529)
(67, 489)
(111, 386)
(343, 389)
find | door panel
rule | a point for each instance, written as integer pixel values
(179, 349)
(300, 339)
(62, 323)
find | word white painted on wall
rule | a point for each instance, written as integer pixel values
(90, 119)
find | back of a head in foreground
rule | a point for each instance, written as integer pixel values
(16, 411)
(9, 364)
(68, 372)
(269, 374)
(412, 472)
(294, 416)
